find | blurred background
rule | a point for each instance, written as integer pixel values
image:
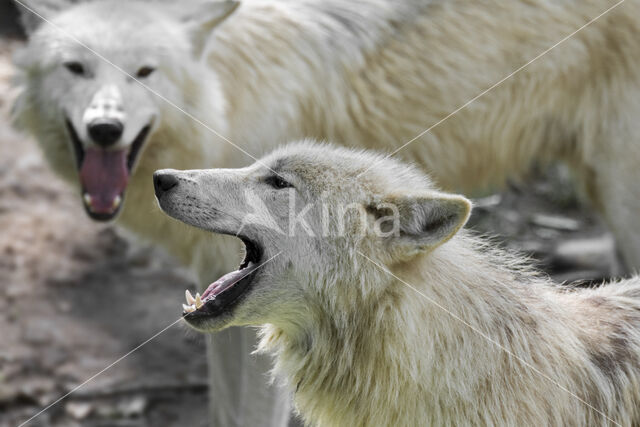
(76, 295)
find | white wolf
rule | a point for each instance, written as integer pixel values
(373, 73)
(392, 317)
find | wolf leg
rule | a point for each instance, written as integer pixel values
(619, 198)
(239, 389)
(613, 181)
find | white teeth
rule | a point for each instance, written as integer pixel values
(116, 202)
(192, 303)
(87, 199)
(190, 299)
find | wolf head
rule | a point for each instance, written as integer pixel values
(309, 216)
(104, 81)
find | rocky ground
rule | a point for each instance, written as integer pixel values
(75, 296)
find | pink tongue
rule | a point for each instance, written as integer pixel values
(226, 281)
(104, 176)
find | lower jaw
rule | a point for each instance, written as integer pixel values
(210, 323)
(218, 316)
(104, 212)
(102, 216)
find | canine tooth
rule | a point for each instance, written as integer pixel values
(198, 301)
(116, 202)
(188, 308)
(87, 199)
(190, 299)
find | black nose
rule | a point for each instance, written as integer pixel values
(163, 182)
(105, 132)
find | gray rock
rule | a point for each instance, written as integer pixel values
(134, 407)
(78, 410)
(596, 253)
(555, 222)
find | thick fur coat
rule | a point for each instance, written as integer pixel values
(378, 73)
(421, 325)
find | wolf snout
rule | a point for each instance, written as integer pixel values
(164, 181)
(105, 132)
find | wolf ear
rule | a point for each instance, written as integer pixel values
(34, 12)
(201, 20)
(421, 222)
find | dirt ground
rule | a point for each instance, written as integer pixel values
(75, 296)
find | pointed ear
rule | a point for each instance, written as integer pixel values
(201, 20)
(34, 12)
(421, 222)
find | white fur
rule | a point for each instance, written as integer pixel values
(375, 74)
(414, 328)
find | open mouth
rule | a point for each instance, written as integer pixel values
(224, 294)
(104, 173)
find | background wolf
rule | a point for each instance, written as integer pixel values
(374, 73)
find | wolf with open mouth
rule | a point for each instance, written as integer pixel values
(276, 209)
(380, 311)
(192, 197)
(96, 103)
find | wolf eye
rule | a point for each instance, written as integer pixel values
(74, 67)
(145, 71)
(278, 182)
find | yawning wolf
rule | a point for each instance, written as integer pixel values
(381, 312)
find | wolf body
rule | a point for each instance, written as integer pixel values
(412, 323)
